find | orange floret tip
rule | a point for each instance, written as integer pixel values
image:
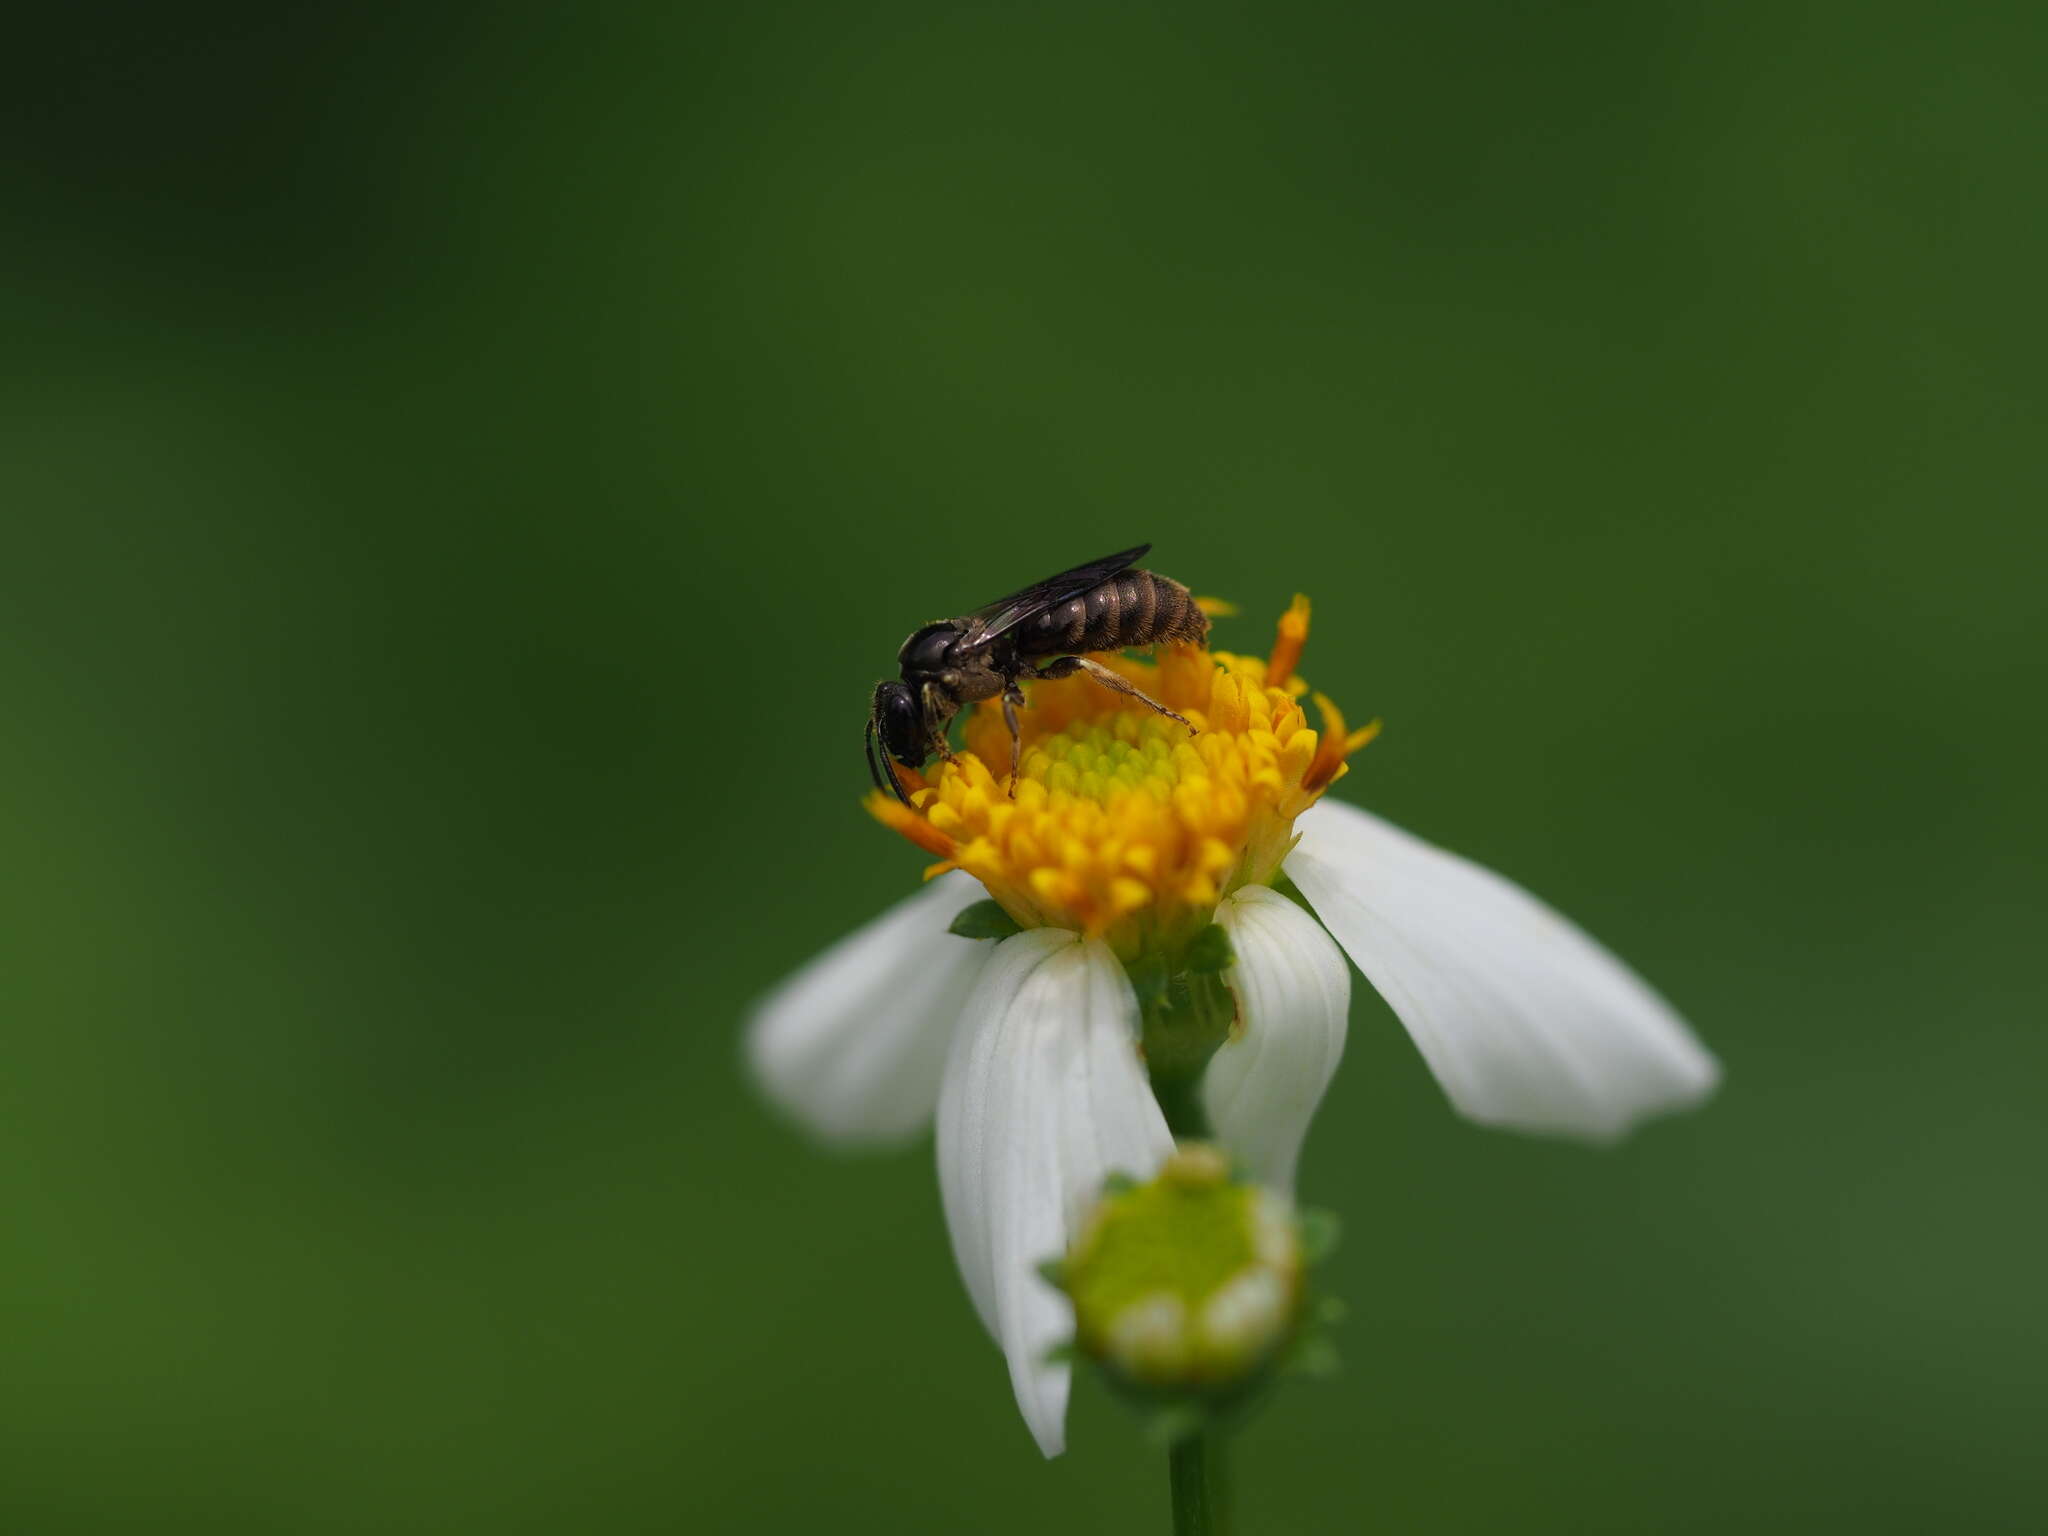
(1333, 745)
(900, 818)
(1288, 643)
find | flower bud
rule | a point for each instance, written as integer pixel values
(1191, 1282)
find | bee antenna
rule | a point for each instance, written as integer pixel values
(868, 746)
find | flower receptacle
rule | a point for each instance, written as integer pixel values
(1187, 1011)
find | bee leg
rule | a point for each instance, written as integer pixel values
(1012, 697)
(936, 719)
(1066, 666)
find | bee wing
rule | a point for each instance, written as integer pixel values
(985, 623)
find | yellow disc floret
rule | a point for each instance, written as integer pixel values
(1122, 825)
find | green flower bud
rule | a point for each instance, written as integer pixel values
(1190, 1283)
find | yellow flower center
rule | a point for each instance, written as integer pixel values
(1122, 825)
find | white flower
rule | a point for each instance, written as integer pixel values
(1044, 1098)
(1525, 1022)
(853, 1044)
(1293, 998)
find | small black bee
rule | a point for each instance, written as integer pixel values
(1104, 605)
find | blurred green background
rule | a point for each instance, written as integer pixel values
(462, 469)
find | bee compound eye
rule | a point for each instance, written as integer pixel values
(897, 718)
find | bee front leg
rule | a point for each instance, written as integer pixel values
(937, 716)
(1067, 666)
(1012, 697)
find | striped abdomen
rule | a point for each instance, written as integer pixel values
(1135, 608)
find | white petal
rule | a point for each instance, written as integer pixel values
(1293, 996)
(1044, 1097)
(853, 1045)
(1525, 1021)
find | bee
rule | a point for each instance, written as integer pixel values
(1105, 605)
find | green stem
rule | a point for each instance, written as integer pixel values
(1188, 1009)
(1180, 1101)
(1194, 1467)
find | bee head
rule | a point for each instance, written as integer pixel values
(896, 718)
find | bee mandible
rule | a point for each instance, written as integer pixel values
(1105, 605)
